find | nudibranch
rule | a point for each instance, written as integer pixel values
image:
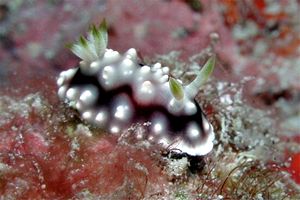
(113, 91)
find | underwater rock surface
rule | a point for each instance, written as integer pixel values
(47, 152)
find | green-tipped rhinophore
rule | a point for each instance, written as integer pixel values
(176, 89)
(207, 70)
(202, 77)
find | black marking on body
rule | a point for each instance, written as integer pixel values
(176, 124)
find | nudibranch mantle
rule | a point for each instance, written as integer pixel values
(113, 91)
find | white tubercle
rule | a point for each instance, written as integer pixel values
(145, 70)
(158, 74)
(123, 109)
(120, 112)
(68, 74)
(110, 56)
(190, 107)
(101, 117)
(95, 66)
(164, 78)
(78, 105)
(72, 93)
(159, 124)
(175, 106)
(128, 67)
(87, 115)
(89, 68)
(193, 131)
(89, 96)
(108, 76)
(145, 92)
(147, 88)
(114, 129)
(60, 81)
(62, 91)
(86, 95)
(131, 54)
(166, 70)
(156, 66)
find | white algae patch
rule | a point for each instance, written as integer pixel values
(10, 107)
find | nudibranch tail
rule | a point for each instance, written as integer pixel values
(113, 91)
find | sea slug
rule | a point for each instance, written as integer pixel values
(113, 91)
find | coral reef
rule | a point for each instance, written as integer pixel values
(252, 100)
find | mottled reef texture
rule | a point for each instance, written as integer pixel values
(252, 100)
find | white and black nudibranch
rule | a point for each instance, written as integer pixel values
(113, 91)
